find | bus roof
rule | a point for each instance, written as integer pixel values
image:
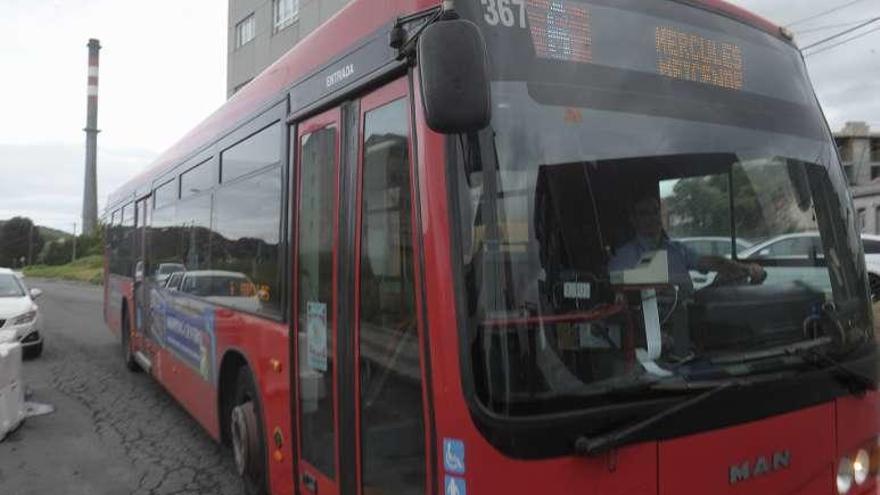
(340, 33)
(740, 14)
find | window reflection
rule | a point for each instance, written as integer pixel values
(198, 179)
(315, 285)
(246, 240)
(257, 151)
(223, 246)
(390, 388)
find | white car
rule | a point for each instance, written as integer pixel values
(805, 244)
(20, 319)
(710, 246)
(713, 245)
(220, 287)
(164, 270)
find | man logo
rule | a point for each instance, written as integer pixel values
(759, 467)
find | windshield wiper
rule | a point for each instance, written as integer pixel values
(856, 382)
(596, 445)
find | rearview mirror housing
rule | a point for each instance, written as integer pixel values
(35, 293)
(454, 73)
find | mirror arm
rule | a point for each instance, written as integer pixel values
(400, 39)
(447, 10)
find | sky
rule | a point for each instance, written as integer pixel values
(846, 78)
(163, 70)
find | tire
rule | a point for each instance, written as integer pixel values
(33, 352)
(127, 354)
(246, 434)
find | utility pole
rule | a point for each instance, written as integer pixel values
(74, 243)
(90, 189)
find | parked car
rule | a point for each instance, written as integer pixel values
(713, 245)
(710, 246)
(217, 286)
(20, 318)
(164, 271)
(808, 244)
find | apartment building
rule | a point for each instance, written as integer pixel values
(260, 31)
(860, 155)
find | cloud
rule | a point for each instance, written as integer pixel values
(846, 78)
(163, 70)
(45, 182)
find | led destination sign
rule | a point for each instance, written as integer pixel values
(692, 57)
(560, 30)
(563, 41)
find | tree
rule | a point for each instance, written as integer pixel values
(57, 252)
(700, 206)
(89, 245)
(19, 239)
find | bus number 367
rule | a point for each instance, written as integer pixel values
(502, 12)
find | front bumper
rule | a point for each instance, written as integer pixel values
(28, 335)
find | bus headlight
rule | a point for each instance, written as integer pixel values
(861, 466)
(844, 475)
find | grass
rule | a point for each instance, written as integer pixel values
(89, 269)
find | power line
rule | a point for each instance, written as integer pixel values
(824, 13)
(826, 27)
(838, 35)
(835, 45)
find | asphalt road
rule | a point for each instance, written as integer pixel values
(113, 431)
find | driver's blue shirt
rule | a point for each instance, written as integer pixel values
(681, 258)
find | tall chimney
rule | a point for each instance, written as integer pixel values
(90, 190)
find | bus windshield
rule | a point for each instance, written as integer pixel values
(657, 198)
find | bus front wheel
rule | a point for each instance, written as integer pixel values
(246, 435)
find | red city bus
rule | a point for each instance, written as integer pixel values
(435, 249)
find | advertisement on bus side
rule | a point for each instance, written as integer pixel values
(189, 333)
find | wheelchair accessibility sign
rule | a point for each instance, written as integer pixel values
(455, 486)
(453, 456)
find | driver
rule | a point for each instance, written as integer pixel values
(650, 236)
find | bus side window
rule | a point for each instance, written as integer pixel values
(247, 240)
(392, 425)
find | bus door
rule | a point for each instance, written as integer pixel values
(141, 278)
(315, 302)
(390, 400)
(360, 406)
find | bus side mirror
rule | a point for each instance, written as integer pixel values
(454, 72)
